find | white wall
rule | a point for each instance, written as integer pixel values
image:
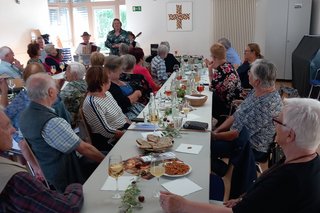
(151, 21)
(17, 21)
(315, 18)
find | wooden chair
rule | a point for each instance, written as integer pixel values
(84, 128)
(26, 149)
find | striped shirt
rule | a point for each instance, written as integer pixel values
(158, 68)
(103, 115)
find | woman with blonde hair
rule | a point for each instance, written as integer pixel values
(225, 82)
(97, 59)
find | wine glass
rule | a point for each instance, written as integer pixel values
(53, 69)
(200, 88)
(186, 108)
(175, 67)
(115, 170)
(167, 92)
(61, 65)
(157, 169)
(179, 75)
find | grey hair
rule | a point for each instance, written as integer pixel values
(77, 69)
(4, 51)
(225, 42)
(38, 86)
(48, 48)
(128, 62)
(265, 71)
(162, 49)
(166, 43)
(123, 49)
(303, 116)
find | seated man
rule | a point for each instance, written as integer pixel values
(51, 138)
(9, 65)
(20, 192)
(158, 65)
(86, 47)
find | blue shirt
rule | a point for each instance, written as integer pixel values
(10, 70)
(256, 113)
(233, 57)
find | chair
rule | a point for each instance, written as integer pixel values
(84, 128)
(26, 149)
(315, 83)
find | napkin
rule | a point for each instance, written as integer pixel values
(181, 186)
(144, 126)
(157, 133)
(194, 97)
(189, 148)
(123, 183)
(192, 117)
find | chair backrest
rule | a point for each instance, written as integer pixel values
(26, 149)
(84, 128)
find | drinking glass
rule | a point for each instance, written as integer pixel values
(157, 169)
(177, 124)
(11, 85)
(167, 92)
(53, 69)
(115, 170)
(61, 65)
(200, 88)
(154, 119)
(186, 108)
(175, 67)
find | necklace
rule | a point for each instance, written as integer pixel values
(298, 158)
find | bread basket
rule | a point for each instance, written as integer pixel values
(196, 100)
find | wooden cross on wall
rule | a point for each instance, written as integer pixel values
(179, 16)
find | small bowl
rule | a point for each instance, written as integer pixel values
(198, 99)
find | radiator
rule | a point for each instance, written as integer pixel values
(235, 20)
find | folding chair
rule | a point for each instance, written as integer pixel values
(315, 83)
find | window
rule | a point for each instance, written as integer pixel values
(93, 16)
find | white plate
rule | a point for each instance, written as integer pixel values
(188, 172)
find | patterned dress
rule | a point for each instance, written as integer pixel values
(73, 95)
(112, 39)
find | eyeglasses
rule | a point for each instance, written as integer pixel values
(275, 121)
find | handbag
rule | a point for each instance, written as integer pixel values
(197, 125)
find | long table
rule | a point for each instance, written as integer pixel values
(97, 200)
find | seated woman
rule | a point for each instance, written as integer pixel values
(225, 82)
(97, 59)
(123, 93)
(292, 185)
(158, 65)
(34, 53)
(137, 52)
(255, 113)
(232, 55)
(136, 81)
(170, 60)
(251, 53)
(101, 111)
(53, 59)
(75, 91)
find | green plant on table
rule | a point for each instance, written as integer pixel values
(131, 198)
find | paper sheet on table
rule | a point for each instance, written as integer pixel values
(192, 117)
(157, 133)
(181, 186)
(123, 183)
(189, 148)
